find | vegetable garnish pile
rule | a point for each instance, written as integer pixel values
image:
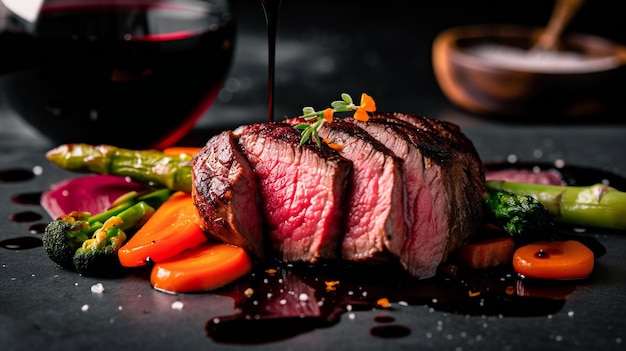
(160, 227)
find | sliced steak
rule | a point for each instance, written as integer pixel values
(225, 192)
(302, 191)
(375, 212)
(464, 176)
(443, 186)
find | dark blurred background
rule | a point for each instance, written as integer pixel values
(326, 47)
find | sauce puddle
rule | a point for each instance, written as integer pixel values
(279, 303)
(15, 175)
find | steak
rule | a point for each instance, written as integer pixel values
(375, 214)
(443, 182)
(403, 187)
(302, 191)
(226, 194)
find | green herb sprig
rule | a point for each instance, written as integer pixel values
(346, 104)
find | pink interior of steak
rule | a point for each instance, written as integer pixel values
(301, 192)
(426, 213)
(375, 211)
(461, 176)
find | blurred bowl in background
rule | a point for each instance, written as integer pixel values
(493, 70)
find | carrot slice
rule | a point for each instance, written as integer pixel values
(486, 253)
(203, 268)
(554, 260)
(177, 151)
(172, 229)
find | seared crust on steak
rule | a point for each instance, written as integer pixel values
(226, 194)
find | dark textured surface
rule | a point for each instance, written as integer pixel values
(324, 49)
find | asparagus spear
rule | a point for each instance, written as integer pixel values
(595, 205)
(145, 166)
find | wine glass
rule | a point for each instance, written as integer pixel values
(130, 73)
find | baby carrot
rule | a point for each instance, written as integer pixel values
(554, 260)
(172, 229)
(205, 267)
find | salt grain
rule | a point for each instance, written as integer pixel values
(97, 288)
(84, 308)
(177, 305)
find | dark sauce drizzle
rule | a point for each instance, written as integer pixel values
(271, 7)
(27, 198)
(25, 216)
(21, 243)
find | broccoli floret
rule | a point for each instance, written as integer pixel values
(521, 216)
(64, 236)
(98, 256)
(89, 244)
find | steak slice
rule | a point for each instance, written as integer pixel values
(375, 212)
(464, 176)
(302, 191)
(225, 193)
(443, 186)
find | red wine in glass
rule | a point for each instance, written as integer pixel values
(133, 73)
(271, 8)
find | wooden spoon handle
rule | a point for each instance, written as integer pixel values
(563, 12)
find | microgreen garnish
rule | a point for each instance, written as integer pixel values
(318, 118)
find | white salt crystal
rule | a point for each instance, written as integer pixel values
(97, 288)
(177, 305)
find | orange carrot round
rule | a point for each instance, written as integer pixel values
(177, 151)
(554, 260)
(172, 229)
(486, 253)
(203, 268)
